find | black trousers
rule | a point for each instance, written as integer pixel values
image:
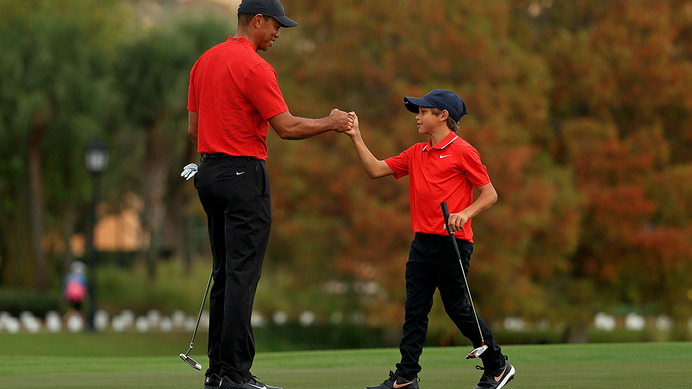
(433, 264)
(235, 194)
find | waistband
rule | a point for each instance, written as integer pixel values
(221, 156)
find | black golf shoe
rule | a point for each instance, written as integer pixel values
(212, 382)
(396, 382)
(227, 383)
(496, 379)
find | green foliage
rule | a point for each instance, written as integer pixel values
(16, 301)
(55, 96)
(120, 289)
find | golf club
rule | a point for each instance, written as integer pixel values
(476, 352)
(185, 357)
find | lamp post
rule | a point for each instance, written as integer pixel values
(96, 163)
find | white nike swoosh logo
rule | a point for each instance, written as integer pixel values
(237, 174)
(258, 387)
(445, 156)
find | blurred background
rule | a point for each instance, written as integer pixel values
(581, 111)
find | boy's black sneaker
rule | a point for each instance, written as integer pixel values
(227, 383)
(396, 382)
(212, 382)
(496, 379)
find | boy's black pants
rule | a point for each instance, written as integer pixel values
(433, 264)
(235, 194)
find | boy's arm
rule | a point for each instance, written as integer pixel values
(487, 196)
(374, 167)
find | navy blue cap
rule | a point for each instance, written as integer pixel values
(440, 99)
(272, 8)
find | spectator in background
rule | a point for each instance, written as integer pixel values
(75, 288)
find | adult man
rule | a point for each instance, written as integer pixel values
(233, 97)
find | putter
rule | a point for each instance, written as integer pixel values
(476, 352)
(185, 357)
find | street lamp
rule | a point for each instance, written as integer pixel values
(96, 163)
(97, 157)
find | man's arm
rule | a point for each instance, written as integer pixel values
(288, 126)
(192, 126)
(374, 167)
(487, 196)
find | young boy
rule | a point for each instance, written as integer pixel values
(445, 168)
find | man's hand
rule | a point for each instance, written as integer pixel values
(189, 171)
(342, 120)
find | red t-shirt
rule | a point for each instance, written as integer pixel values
(234, 91)
(446, 172)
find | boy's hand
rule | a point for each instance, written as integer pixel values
(355, 128)
(456, 222)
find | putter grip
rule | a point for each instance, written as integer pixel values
(445, 213)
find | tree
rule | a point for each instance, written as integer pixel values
(153, 75)
(619, 108)
(54, 98)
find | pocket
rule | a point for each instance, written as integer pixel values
(262, 179)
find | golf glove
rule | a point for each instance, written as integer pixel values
(189, 171)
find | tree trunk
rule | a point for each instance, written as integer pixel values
(36, 208)
(69, 221)
(180, 232)
(156, 169)
(577, 333)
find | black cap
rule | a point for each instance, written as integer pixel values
(272, 8)
(440, 99)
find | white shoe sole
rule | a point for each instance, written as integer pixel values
(508, 377)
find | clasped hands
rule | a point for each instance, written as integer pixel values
(343, 121)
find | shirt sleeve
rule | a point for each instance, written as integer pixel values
(262, 91)
(473, 168)
(400, 163)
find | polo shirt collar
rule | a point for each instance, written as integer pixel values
(445, 142)
(241, 40)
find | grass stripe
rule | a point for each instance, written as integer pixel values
(626, 365)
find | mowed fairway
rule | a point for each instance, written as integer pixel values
(151, 361)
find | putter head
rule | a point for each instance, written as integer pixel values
(476, 352)
(190, 361)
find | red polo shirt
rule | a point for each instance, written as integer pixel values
(234, 91)
(446, 172)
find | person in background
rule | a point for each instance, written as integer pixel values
(75, 289)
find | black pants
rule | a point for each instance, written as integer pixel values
(433, 264)
(235, 194)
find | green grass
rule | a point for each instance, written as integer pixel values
(151, 361)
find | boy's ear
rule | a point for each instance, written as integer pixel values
(444, 115)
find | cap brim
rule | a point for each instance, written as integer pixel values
(412, 103)
(285, 21)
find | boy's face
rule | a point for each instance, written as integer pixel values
(427, 121)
